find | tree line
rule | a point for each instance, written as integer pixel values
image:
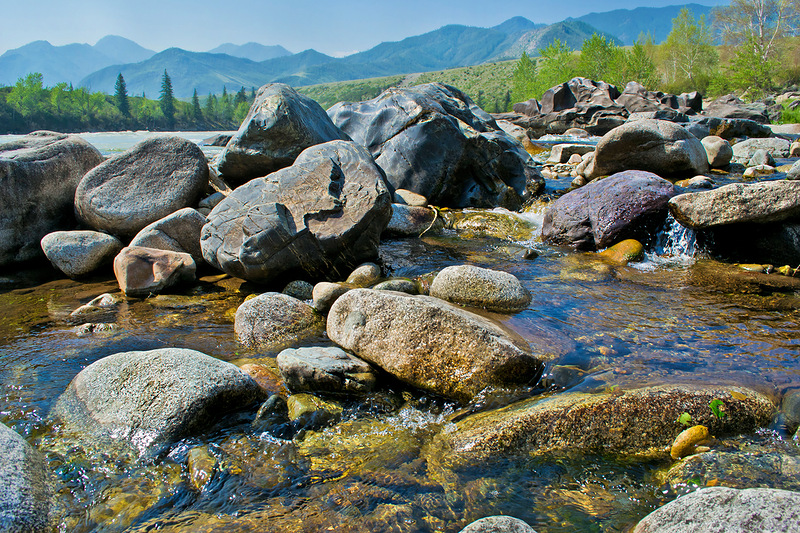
(29, 105)
(751, 47)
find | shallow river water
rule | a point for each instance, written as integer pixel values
(672, 319)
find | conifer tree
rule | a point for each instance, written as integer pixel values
(166, 99)
(121, 96)
(197, 113)
(241, 97)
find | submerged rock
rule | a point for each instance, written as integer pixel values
(726, 509)
(431, 344)
(480, 287)
(26, 491)
(39, 174)
(272, 321)
(144, 401)
(80, 252)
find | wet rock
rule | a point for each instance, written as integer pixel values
(697, 182)
(405, 285)
(603, 212)
(480, 287)
(730, 106)
(272, 321)
(790, 407)
(325, 369)
(80, 252)
(40, 173)
(273, 412)
(433, 140)
(178, 232)
(577, 132)
(635, 422)
(686, 442)
(267, 379)
(97, 306)
(718, 151)
(201, 466)
(657, 146)
(430, 344)
(26, 491)
(144, 401)
(624, 252)
(153, 179)
(403, 196)
(411, 221)
(729, 128)
(744, 151)
(761, 157)
(561, 153)
(758, 171)
(281, 123)
(141, 272)
(326, 293)
(498, 524)
(726, 509)
(365, 275)
(302, 290)
(769, 201)
(497, 223)
(322, 216)
(85, 330)
(309, 411)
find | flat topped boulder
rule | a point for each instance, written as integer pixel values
(39, 174)
(144, 401)
(431, 344)
(323, 215)
(26, 491)
(325, 369)
(433, 140)
(153, 179)
(281, 123)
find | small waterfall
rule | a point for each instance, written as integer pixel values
(674, 245)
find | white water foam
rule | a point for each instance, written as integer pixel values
(676, 245)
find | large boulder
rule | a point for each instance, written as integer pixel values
(281, 123)
(657, 146)
(145, 401)
(80, 252)
(766, 201)
(480, 287)
(625, 422)
(730, 106)
(26, 492)
(38, 176)
(272, 321)
(431, 344)
(728, 128)
(433, 140)
(153, 179)
(141, 271)
(725, 509)
(323, 215)
(607, 211)
(744, 151)
(636, 99)
(178, 232)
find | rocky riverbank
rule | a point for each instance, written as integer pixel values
(384, 361)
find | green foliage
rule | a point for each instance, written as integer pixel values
(689, 54)
(524, 79)
(557, 64)
(121, 96)
(715, 408)
(602, 59)
(685, 419)
(327, 94)
(197, 112)
(789, 116)
(167, 100)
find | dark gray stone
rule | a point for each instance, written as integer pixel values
(729, 106)
(38, 176)
(325, 369)
(323, 216)
(153, 179)
(281, 124)
(26, 492)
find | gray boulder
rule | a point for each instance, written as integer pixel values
(431, 344)
(767, 201)
(498, 524)
(728, 128)
(718, 150)
(325, 369)
(761, 157)
(178, 232)
(141, 272)
(726, 510)
(730, 106)
(560, 153)
(79, 252)
(480, 287)
(153, 179)
(607, 211)
(411, 221)
(744, 151)
(144, 401)
(657, 146)
(433, 140)
(26, 492)
(281, 123)
(323, 216)
(794, 171)
(272, 321)
(39, 174)
(325, 293)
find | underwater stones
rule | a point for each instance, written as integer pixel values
(498, 524)
(718, 150)
(325, 369)
(26, 492)
(177, 232)
(272, 320)
(141, 272)
(153, 179)
(632, 422)
(309, 411)
(79, 252)
(321, 216)
(39, 174)
(429, 343)
(144, 401)
(606, 211)
(496, 223)
(726, 509)
(480, 287)
(624, 252)
(281, 123)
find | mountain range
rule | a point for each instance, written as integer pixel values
(252, 64)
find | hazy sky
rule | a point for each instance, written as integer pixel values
(335, 27)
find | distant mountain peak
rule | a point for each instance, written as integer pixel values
(253, 51)
(516, 25)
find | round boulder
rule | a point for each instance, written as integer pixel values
(272, 320)
(657, 146)
(178, 232)
(77, 253)
(39, 174)
(718, 150)
(480, 287)
(498, 524)
(26, 493)
(144, 401)
(153, 179)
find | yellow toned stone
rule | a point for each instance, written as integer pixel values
(622, 253)
(686, 443)
(201, 466)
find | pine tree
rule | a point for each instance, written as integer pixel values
(166, 100)
(121, 96)
(197, 113)
(241, 97)
(211, 107)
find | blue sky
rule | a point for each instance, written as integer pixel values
(335, 27)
